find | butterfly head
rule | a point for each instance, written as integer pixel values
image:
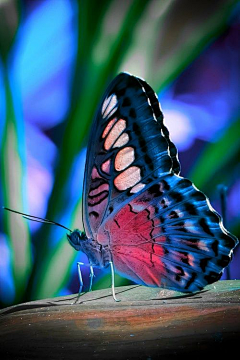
(76, 238)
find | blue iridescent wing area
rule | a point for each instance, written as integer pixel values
(129, 147)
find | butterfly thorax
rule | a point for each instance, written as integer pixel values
(97, 254)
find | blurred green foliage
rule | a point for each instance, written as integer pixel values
(152, 39)
(212, 167)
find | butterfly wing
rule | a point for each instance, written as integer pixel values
(169, 236)
(129, 147)
(160, 229)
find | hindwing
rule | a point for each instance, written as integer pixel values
(169, 236)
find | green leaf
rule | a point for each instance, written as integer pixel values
(13, 170)
(56, 270)
(171, 34)
(217, 162)
(53, 272)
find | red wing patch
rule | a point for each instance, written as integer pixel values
(139, 264)
(134, 249)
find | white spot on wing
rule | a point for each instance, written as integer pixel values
(108, 127)
(124, 158)
(137, 188)
(128, 178)
(122, 140)
(109, 106)
(114, 133)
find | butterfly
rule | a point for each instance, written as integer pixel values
(140, 216)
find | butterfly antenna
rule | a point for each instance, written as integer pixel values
(36, 218)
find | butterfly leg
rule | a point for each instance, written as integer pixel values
(113, 286)
(80, 277)
(91, 277)
(80, 282)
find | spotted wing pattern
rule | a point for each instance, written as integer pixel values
(129, 147)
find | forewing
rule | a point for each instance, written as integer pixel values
(129, 148)
(169, 236)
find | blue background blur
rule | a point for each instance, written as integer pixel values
(56, 58)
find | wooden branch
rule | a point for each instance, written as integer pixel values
(146, 324)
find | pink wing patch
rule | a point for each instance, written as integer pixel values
(132, 239)
(138, 256)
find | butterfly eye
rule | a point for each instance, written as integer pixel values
(75, 239)
(82, 235)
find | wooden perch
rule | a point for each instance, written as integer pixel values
(148, 323)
